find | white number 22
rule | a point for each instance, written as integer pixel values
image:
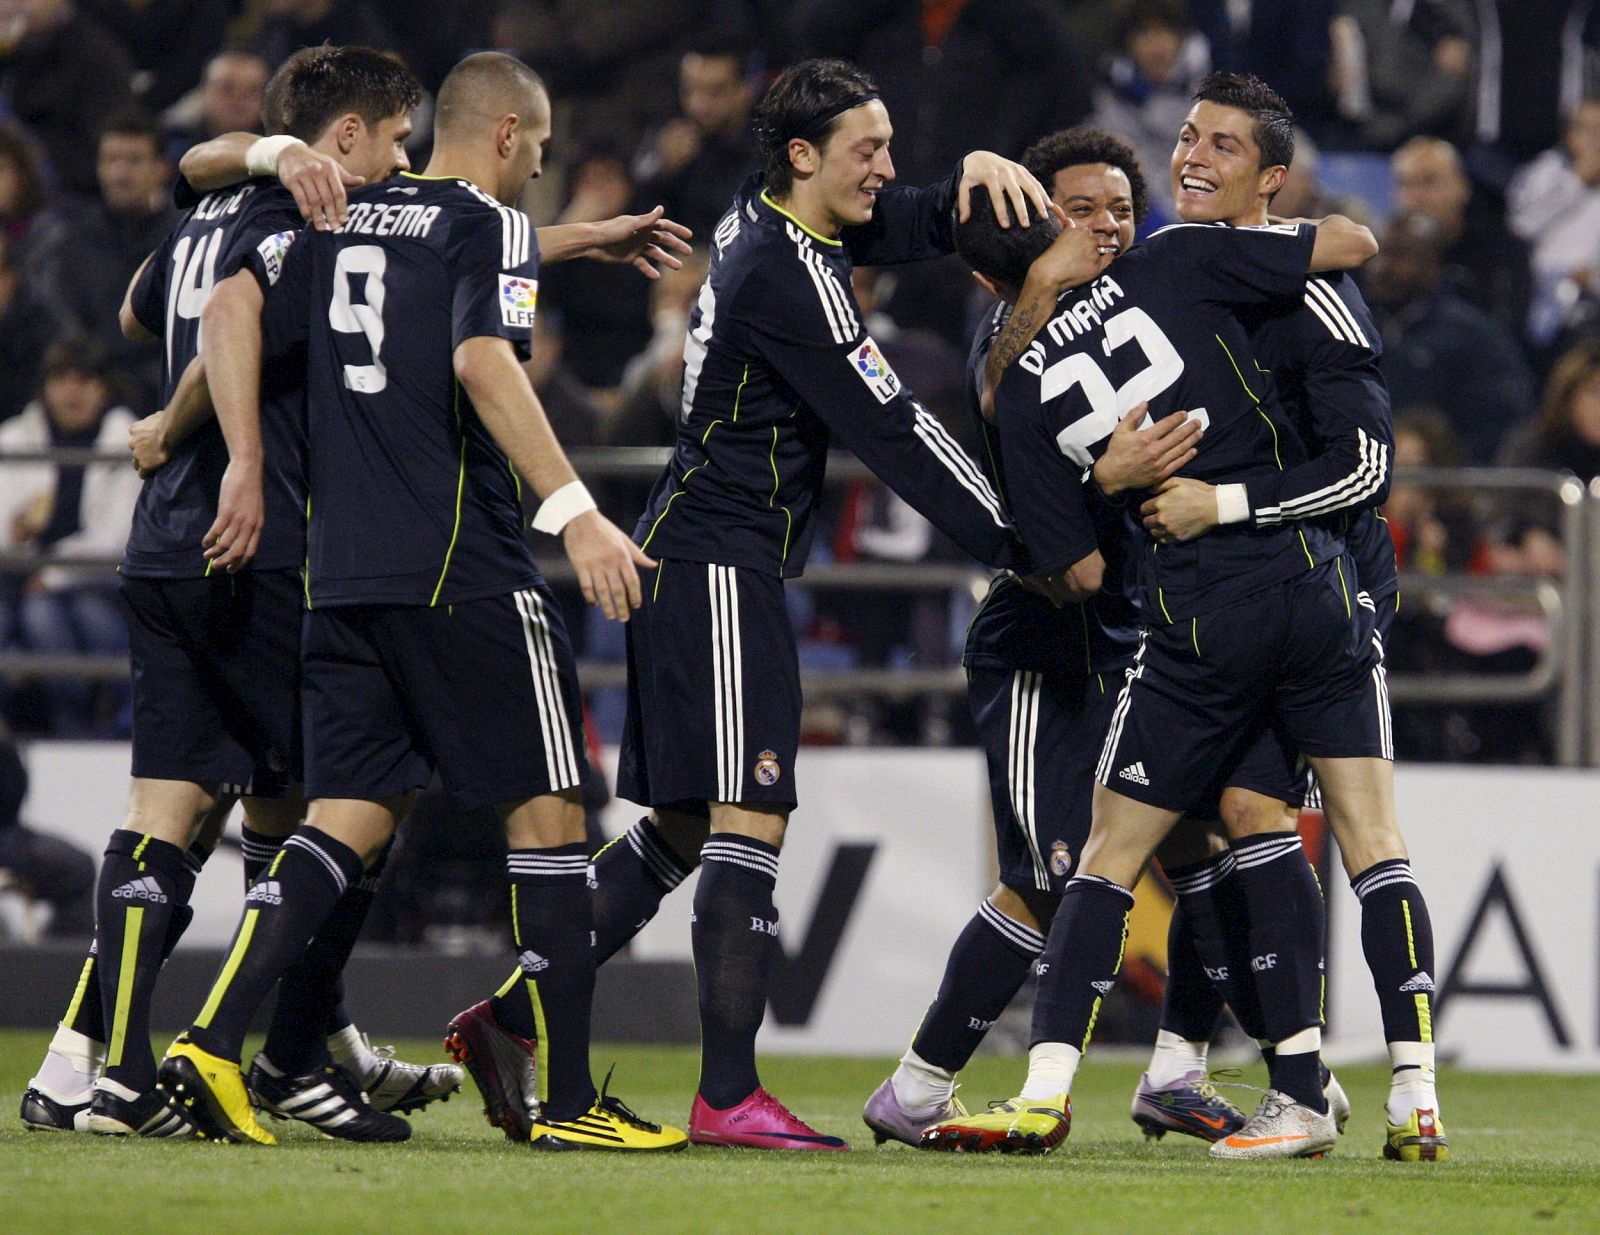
(369, 261)
(1108, 405)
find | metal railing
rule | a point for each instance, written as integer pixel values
(1566, 670)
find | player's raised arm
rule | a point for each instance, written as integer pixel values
(644, 241)
(1342, 244)
(317, 180)
(606, 560)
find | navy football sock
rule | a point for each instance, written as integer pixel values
(735, 931)
(1287, 936)
(257, 849)
(1082, 957)
(990, 961)
(311, 991)
(632, 874)
(553, 927)
(1397, 939)
(138, 888)
(283, 911)
(86, 1014)
(1197, 962)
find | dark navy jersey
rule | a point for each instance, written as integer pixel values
(777, 366)
(244, 226)
(1018, 629)
(411, 500)
(1322, 355)
(1160, 326)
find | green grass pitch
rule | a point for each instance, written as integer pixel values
(1527, 1161)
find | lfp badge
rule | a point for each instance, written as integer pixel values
(875, 372)
(518, 299)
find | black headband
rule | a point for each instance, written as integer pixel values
(816, 123)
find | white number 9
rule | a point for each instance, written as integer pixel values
(368, 260)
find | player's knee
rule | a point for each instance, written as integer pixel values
(170, 811)
(1245, 813)
(683, 831)
(1029, 906)
(544, 821)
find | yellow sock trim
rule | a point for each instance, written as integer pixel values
(543, 1068)
(85, 976)
(132, 924)
(235, 958)
(507, 986)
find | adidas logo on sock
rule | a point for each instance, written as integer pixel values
(266, 893)
(1103, 987)
(1419, 981)
(144, 889)
(532, 962)
(1135, 773)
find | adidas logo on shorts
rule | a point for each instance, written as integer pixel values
(1419, 981)
(1135, 773)
(266, 893)
(147, 889)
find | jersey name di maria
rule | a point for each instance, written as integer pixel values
(1016, 628)
(411, 500)
(1160, 326)
(777, 366)
(245, 226)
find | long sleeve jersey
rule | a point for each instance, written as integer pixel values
(778, 366)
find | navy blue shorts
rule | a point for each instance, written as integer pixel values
(1300, 659)
(713, 691)
(484, 692)
(216, 679)
(1041, 735)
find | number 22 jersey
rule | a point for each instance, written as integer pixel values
(1160, 326)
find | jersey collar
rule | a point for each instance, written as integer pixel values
(767, 201)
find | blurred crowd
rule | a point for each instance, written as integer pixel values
(1466, 132)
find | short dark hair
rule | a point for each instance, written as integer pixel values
(485, 82)
(802, 95)
(1274, 121)
(1003, 253)
(1076, 147)
(132, 122)
(317, 85)
(75, 353)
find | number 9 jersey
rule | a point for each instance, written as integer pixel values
(1160, 326)
(420, 265)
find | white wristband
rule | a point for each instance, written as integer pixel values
(262, 157)
(1233, 504)
(562, 507)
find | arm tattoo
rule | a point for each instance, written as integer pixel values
(1015, 336)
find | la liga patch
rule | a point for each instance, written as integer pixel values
(874, 370)
(273, 250)
(518, 299)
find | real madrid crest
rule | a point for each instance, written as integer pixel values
(1060, 858)
(768, 769)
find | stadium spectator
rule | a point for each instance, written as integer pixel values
(1394, 75)
(22, 187)
(568, 404)
(1484, 263)
(694, 163)
(169, 41)
(1283, 42)
(614, 66)
(67, 511)
(1528, 64)
(1566, 436)
(85, 251)
(604, 309)
(1146, 93)
(293, 24)
(25, 332)
(1555, 207)
(1439, 350)
(62, 75)
(48, 869)
(227, 101)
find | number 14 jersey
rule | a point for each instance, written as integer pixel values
(1159, 326)
(412, 502)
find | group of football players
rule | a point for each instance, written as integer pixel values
(331, 599)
